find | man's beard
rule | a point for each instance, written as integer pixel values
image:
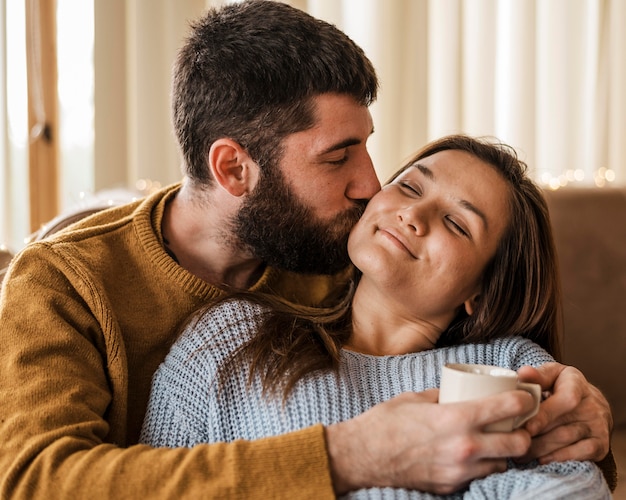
(280, 230)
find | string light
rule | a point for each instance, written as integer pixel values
(147, 186)
(602, 177)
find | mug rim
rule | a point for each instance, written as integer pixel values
(481, 370)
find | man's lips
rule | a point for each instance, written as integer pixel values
(397, 239)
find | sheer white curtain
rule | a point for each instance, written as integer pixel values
(548, 77)
(13, 126)
(4, 139)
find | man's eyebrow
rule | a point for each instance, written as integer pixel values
(341, 145)
(350, 141)
(428, 173)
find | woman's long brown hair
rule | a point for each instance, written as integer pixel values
(520, 296)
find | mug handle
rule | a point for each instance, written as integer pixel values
(535, 391)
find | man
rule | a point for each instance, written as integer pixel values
(270, 108)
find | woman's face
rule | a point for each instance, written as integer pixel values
(427, 237)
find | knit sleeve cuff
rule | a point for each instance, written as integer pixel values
(293, 465)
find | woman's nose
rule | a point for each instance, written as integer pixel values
(415, 219)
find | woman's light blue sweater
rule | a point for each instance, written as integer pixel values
(188, 406)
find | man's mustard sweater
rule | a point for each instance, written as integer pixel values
(86, 317)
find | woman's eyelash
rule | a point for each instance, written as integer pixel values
(457, 228)
(415, 189)
(412, 188)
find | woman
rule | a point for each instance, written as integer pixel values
(455, 263)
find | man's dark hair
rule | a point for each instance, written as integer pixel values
(248, 71)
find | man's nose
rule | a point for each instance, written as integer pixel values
(365, 183)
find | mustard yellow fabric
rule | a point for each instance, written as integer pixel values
(85, 319)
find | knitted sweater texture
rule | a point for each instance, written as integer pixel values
(188, 405)
(86, 317)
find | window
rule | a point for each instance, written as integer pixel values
(75, 37)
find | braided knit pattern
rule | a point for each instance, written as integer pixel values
(188, 406)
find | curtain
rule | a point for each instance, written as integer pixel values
(14, 213)
(4, 135)
(547, 77)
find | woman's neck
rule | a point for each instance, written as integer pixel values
(380, 326)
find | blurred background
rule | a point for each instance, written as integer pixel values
(84, 102)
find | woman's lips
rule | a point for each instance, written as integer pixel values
(398, 240)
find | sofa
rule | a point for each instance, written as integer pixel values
(590, 234)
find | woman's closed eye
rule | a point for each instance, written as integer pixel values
(411, 187)
(456, 227)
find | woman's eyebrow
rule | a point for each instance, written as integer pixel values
(429, 174)
(426, 171)
(473, 208)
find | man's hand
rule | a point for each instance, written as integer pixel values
(412, 442)
(574, 423)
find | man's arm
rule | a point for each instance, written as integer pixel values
(60, 418)
(574, 423)
(276, 467)
(412, 442)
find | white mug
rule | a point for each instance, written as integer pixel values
(464, 382)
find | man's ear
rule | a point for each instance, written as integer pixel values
(470, 304)
(231, 167)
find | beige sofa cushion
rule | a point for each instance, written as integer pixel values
(590, 232)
